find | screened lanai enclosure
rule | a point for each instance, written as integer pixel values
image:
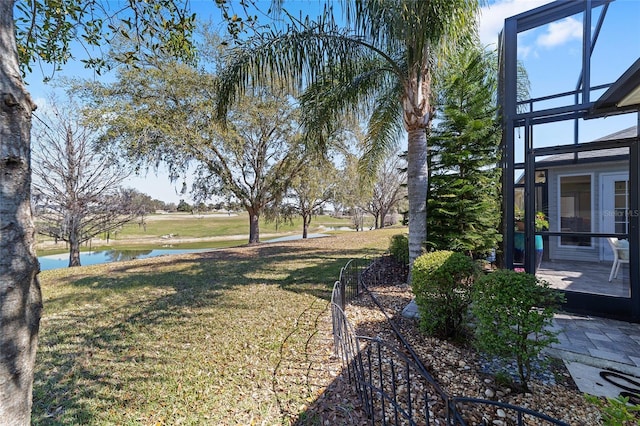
(571, 152)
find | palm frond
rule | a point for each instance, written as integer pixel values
(418, 28)
(335, 96)
(385, 128)
(298, 55)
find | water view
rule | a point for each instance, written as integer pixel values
(55, 261)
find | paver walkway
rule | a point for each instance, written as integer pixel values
(602, 355)
(599, 342)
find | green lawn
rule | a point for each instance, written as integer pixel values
(198, 226)
(192, 339)
(214, 230)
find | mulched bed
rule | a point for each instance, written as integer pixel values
(457, 367)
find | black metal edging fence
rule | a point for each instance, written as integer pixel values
(395, 387)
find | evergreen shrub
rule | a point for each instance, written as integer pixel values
(399, 248)
(441, 283)
(463, 205)
(513, 312)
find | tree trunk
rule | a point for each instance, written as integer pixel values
(417, 115)
(74, 238)
(254, 226)
(20, 297)
(306, 219)
(74, 251)
(417, 183)
(383, 216)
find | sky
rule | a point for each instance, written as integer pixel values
(550, 54)
(552, 57)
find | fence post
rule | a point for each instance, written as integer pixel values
(343, 293)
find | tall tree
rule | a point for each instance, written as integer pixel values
(76, 189)
(162, 114)
(257, 157)
(464, 195)
(311, 189)
(383, 57)
(353, 190)
(388, 189)
(44, 31)
(20, 297)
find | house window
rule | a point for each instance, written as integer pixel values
(575, 209)
(621, 206)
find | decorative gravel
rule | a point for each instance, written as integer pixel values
(541, 371)
(457, 367)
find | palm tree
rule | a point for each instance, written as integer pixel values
(383, 58)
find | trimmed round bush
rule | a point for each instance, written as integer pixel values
(399, 248)
(441, 282)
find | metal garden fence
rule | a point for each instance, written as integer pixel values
(392, 384)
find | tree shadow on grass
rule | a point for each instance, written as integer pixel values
(88, 338)
(293, 267)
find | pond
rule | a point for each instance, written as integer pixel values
(55, 261)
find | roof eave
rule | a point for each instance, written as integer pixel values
(622, 96)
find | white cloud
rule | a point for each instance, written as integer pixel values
(556, 33)
(524, 51)
(41, 103)
(560, 32)
(492, 16)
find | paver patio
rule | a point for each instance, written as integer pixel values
(585, 277)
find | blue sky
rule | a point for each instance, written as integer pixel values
(551, 56)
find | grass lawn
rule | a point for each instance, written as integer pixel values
(186, 225)
(190, 339)
(211, 231)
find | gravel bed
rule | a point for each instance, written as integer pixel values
(458, 368)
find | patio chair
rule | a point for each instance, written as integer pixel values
(620, 256)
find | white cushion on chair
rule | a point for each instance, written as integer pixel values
(623, 245)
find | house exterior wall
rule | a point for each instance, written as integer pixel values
(596, 170)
